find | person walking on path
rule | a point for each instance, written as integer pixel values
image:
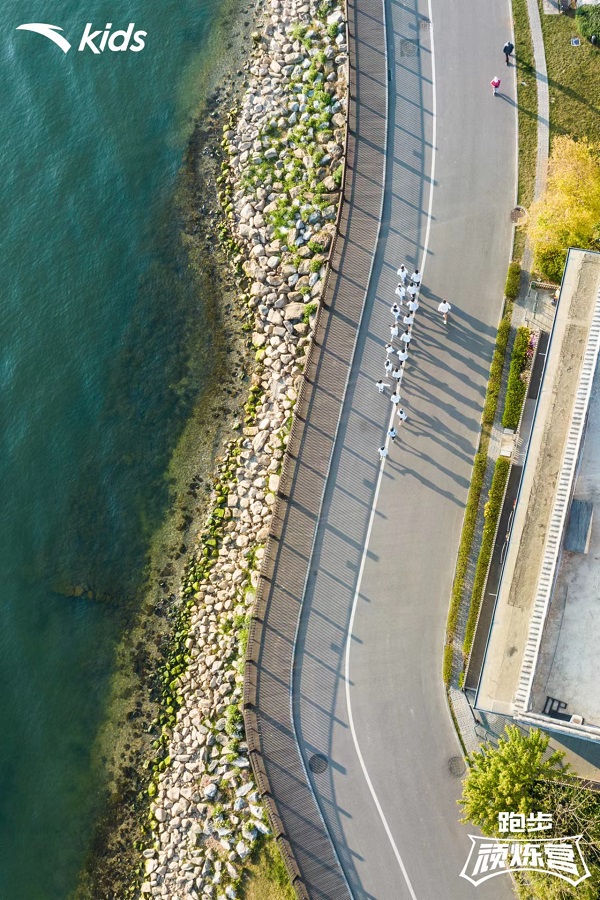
(380, 385)
(382, 453)
(507, 50)
(394, 330)
(407, 337)
(400, 292)
(388, 349)
(409, 319)
(395, 398)
(403, 273)
(392, 434)
(395, 311)
(388, 366)
(444, 308)
(416, 278)
(402, 415)
(495, 83)
(412, 290)
(413, 305)
(402, 353)
(397, 374)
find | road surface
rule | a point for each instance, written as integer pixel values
(367, 690)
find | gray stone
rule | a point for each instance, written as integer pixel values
(210, 791)
(293, 311)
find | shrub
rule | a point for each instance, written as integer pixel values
(298, 31)
(462, 562)
(337, 175)
(332, 31)
(587, 19)
(492, 511)
(447, 664)
(479, 467)
(550, 263)
(233, 719)
(309, 309)
(513, 281)
(495, 381)
(517, 387)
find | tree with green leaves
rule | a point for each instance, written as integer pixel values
(568, 213)
(516, 777)
(509, 779)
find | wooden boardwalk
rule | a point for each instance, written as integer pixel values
(296, 819)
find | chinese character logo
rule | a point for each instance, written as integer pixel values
(495, 856)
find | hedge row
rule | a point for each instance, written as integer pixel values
(517, 387)
(513, 281)
(479, 466)
(491, 513)
(464, 550)
(495, 382)
(587, 19)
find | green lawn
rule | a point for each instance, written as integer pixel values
(527, 100)
(266, 877)
(574, 79)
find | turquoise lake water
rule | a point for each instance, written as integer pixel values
(95, 384)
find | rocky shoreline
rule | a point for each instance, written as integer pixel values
(280, 186)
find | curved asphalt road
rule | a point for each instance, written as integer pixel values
(388, 796)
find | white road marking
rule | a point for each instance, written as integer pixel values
(374, 507)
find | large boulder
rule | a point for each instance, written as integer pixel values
(320, 242)
(293, 311)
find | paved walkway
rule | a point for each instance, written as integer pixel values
(384, 553)
(530, 309)
(278, 766)
(363, 556)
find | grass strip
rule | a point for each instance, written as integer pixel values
(479, 467)
(265, 876)
(526, 102)
(493, 507)
(527, 115)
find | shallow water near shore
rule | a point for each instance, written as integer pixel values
(104, 350)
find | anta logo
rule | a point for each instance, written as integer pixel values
(96, 41)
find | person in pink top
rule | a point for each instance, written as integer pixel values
(495, 83)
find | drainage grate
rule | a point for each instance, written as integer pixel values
(518, 214)
(456, 765)
(317, 763)
(409, 48)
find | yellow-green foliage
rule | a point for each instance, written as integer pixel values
(568, 215)
(477, 476)
(508, 778)
(516, 388)
(492, 511)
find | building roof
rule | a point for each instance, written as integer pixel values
(542, 662)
